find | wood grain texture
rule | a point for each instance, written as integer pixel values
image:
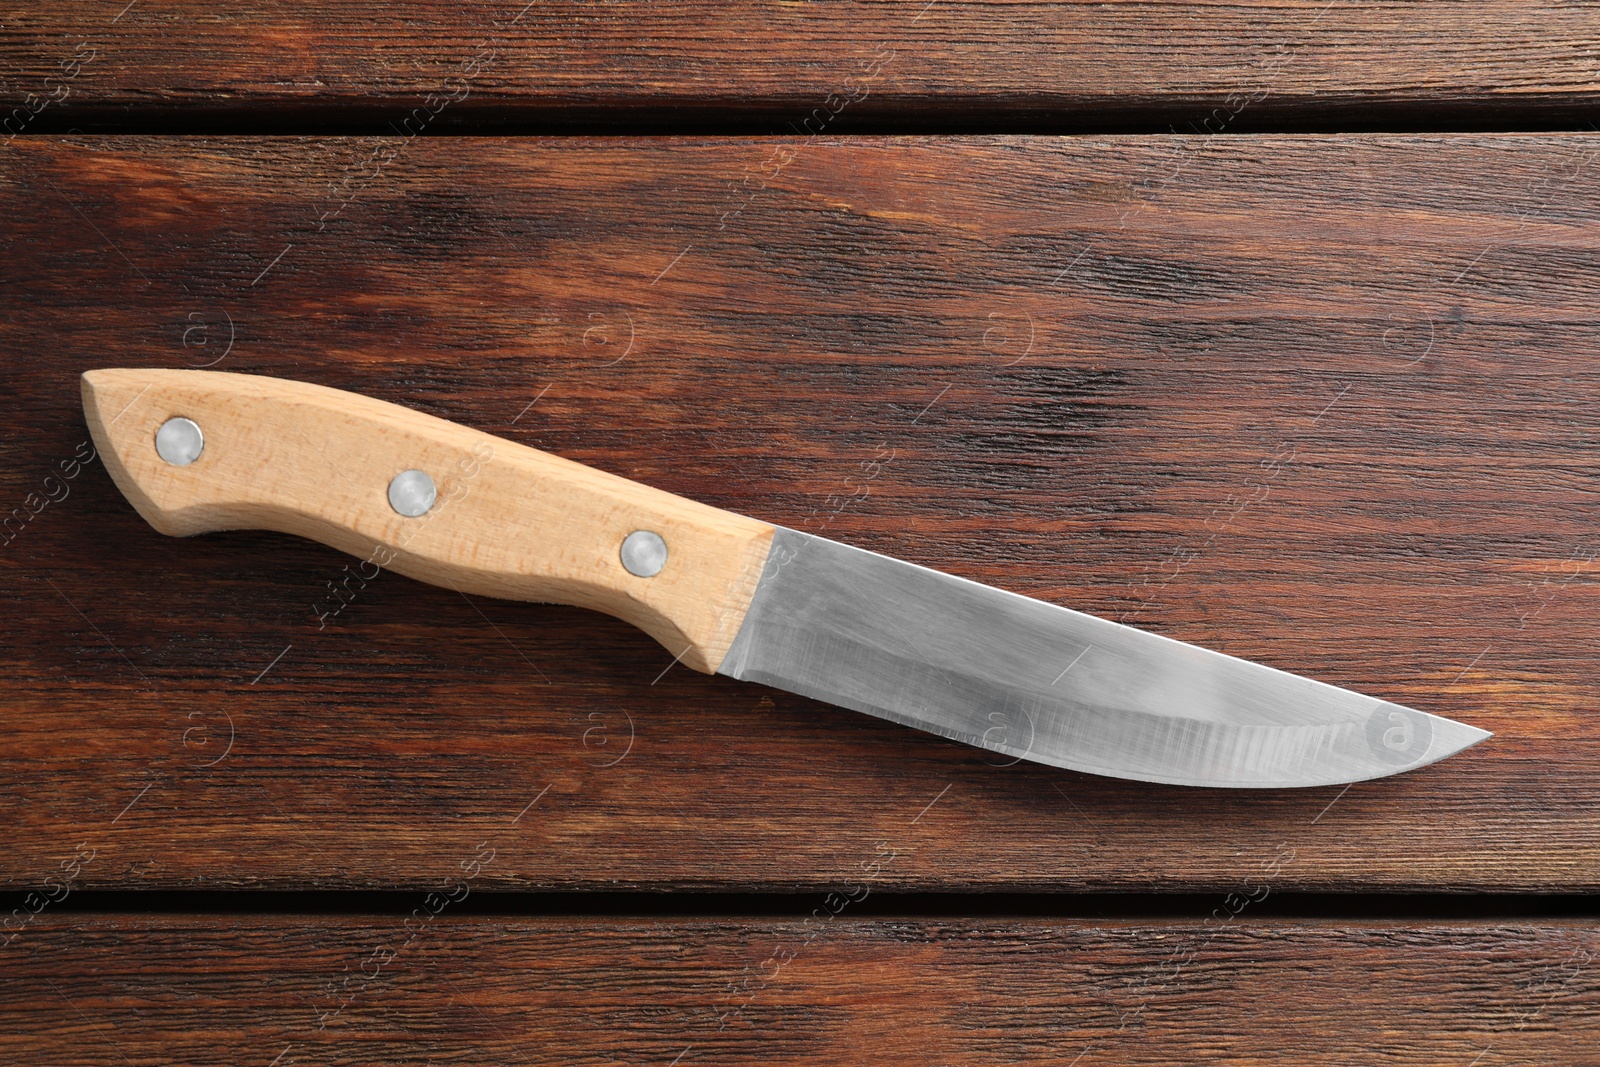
(1328, 403)
(507, 521)
(817, 66)
(136, 990)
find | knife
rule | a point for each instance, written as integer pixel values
(195, 451)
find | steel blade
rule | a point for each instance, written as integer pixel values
(1041, 682)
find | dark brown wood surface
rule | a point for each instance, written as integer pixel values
(135, 990)
(1325, 402)
(575, 63)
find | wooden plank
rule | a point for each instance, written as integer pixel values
(1193, 65)
(1328, 403)
(158, 989)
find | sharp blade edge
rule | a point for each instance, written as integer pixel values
(1041, 682)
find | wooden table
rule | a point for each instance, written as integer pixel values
(1268, 328)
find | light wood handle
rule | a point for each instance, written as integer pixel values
(509, 521)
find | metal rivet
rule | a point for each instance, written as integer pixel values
(644, 553)
(179, 442)
(411, 493)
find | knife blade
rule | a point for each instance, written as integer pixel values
(209, 450)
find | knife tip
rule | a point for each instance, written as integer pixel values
(1451, 737)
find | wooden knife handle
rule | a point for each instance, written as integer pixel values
(507, 520)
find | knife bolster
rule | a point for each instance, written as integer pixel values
(507, 520)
